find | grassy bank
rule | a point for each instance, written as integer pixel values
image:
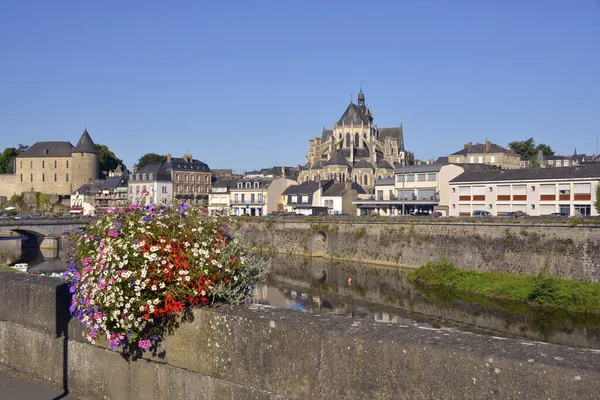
(540, 291)
(8, 269)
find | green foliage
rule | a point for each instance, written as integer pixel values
(108, 160)
(6, 160)
(542, 291)
(150, 158)
(528, 150)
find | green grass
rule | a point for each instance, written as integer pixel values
(8, 269)
(542, 291)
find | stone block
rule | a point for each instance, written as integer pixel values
(267, 349)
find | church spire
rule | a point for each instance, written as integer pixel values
(361, 98)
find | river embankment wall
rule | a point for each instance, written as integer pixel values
(563, 250)
(263, 353)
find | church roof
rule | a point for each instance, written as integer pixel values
(326, 135)
(339, 188)
(353, 115)
(394, 133)
(85, 144)
(383, 164)
(337, 159)
(48, 149)
(363, 164)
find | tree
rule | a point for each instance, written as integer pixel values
(6, 160)
(22, 147)
(151, 158)
(108, 160)
(528, 150)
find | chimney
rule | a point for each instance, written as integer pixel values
(134, 168)
(318, 177)
(283, 171)
(347, 184)
(187, 157)
(169, 157)
(488, 146)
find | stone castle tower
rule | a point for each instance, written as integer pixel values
(85, 161)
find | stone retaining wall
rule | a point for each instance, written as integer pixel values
(264, 353)
(570, 252)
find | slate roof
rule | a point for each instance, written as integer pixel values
(179, 164)
(385, 181)
(226, 183)
(363, 164)
(339, 188)
(113, 182)
(358, 152)
(307, 187)
(354, 115)
(338, 159)
(381, 163)
(48, 149)
(89, 188)
(85, 144)
(161, 173)
(326, 135)
(419, 168)
(480, 148)
(584, 171)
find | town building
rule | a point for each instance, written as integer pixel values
(542, 161)
(338, 198)
(258, 196)
(356, 149)
(535, 191)
(151, 184)
(191, 178)
(417, 189)
(305, 198)
(219, 198)
(53, 168)
(487, 153)
(99, 196)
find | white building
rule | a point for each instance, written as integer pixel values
(219, 201)
(151, 184)
(536, 191)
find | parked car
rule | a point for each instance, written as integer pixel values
(481, 213)
(420, 214)
(559, 214)
(519, 213)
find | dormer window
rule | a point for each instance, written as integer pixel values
(248, 185)
(151, 176)
(255, 185)
(240, 185)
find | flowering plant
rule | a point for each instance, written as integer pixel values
(133, 270)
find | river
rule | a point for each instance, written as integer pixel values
(385, 295)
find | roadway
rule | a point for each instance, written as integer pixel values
(16, 387)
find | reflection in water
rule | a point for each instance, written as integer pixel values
(383, 294)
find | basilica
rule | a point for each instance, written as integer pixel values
(356, 149)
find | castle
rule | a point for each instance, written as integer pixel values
(53, 168)
(356, 149)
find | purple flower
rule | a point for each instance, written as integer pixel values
(182, 208)
(144, 344)
(117, 225)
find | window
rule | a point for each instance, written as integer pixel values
(151, 176)
(43, 177)
(68, 163)
(252, 198)
(255, 185)
(421, 177)
(243, 198)
(533, 206)
(55, 163)
(43, 164)
(260, 198)
(410, 178)
(472, 159)
(490, 189)
(21, 177)
(131, 189)
(293, 199)
(582, 209)
(67, 177)
(54, 177)
(492, 159)
(399, 178)
(453, 190)
(457, 160)
(533, 188)
(305, 199)
(564, 189)
(453, 206)
(480, 159)
(432, 177)
(31, 177)
(490, 206)
(235, 198)
(248, 185)
(240, 185)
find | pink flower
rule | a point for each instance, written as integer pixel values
(144, 344)
(113, 233)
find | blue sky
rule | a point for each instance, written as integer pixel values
(246, 84)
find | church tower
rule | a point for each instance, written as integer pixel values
(85, 162)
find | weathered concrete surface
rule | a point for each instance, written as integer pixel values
(565, 251)
(265, 353)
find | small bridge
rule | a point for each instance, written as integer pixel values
(40, 235)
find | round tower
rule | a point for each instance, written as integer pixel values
(85, 162)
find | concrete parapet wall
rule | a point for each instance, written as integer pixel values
(570, 252)
(264, 353)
